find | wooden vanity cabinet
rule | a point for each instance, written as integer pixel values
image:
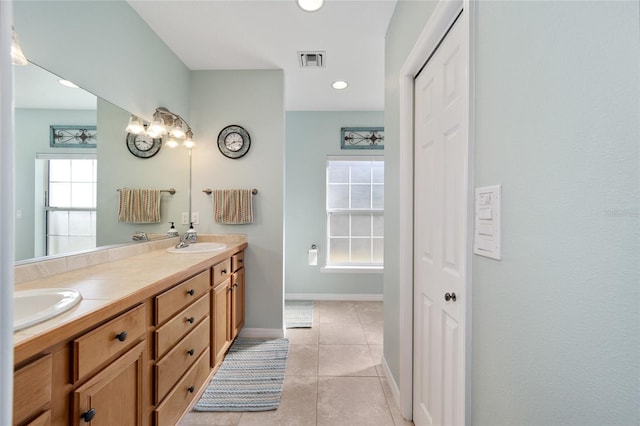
(115, 396)
(237, 302)
(32, 392)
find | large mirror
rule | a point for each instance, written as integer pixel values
(67, 177)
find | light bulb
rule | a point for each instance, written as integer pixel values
(176, 130)
(135, 125)
(188, 143)
(172, 143)
(156, 128)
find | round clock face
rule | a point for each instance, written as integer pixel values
(234, 141)
(143, 146)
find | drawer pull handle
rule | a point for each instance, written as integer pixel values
(224, 271)
(191, 389)
(191, 292)
(190, 320)
(121, 336)
(235, 285)
(191, 352)
(89, 415)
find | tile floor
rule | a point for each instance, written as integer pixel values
(333, 375)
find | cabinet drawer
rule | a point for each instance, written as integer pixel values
(221, 271)
(43, 419)
(183, 394)
(97, 346)
(173, 300)
(237, 261)
(167, 335)
(31, 388)
(173, 365)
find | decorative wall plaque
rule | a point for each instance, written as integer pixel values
(73, 136)
(362, 138)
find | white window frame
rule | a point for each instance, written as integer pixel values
(351, 266)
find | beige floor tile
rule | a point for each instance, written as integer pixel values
(342, 334)
(198, 418)
(346, 360)
(340, 312)
(352, 401)
(373, 332)
(302, 360)
(302, 336)
(297, 405)
(370, 316)
(362, 307)
(393, 407)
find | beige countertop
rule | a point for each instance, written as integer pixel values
(110, 288)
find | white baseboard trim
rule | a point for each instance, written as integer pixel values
(395, 390)
(338, 297)
(262, 333)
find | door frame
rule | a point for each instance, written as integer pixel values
(444, 15)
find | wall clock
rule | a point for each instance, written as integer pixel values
(143, 146)
(234, 141)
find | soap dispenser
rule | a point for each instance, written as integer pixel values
(172, 232)
(192, 235)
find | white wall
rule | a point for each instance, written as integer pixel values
(555, 323)
(311, 136)
(255, 101)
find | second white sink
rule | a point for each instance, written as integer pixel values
(199, 248)
(31, 307)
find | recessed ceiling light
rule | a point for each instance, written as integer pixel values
(67, 83)
(310, 5)
(339, 85)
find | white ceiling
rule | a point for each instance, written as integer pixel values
(267, 34)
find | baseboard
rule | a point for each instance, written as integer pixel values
(262, 333)
(338, 297)
(395, 390)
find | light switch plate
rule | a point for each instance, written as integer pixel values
(488, 222)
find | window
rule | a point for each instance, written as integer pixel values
(71, 205)
(355, 211)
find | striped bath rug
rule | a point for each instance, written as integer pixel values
(249, 379)
(298, 313)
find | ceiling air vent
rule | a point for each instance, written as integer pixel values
(311, 59)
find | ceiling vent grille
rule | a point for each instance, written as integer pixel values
(311, 59)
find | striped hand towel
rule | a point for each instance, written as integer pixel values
(139, 205)
(233, 206)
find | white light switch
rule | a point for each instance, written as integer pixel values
(488, 222)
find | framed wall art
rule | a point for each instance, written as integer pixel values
(362, 137)
(61, 136)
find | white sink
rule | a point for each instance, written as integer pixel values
(198, 248)
(31, 307)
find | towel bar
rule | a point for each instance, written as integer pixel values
(210, 191)
(170, 190)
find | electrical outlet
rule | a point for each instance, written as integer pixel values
(195, 218)
(185, 218)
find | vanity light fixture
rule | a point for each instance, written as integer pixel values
(164, 122)
(310, 5)
(339, 85)
(17, 57)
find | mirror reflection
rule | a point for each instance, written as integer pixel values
(71, 158)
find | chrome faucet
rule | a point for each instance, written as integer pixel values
(191, 236)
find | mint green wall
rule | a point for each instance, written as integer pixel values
(555, 323)
(105, 48)
(255, 101)
(310, 137)
(32, 136)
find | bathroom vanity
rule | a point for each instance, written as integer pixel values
(149, 333)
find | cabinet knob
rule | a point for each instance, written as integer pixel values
(121, 336)
(224, 271)
(191, 389)
(191, 292)
(190, 320)
(191, 352)
(89, 415)
(450, 296)
(235, 285)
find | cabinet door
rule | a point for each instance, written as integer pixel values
(237, 302)
(115, 395)
(221, 327)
